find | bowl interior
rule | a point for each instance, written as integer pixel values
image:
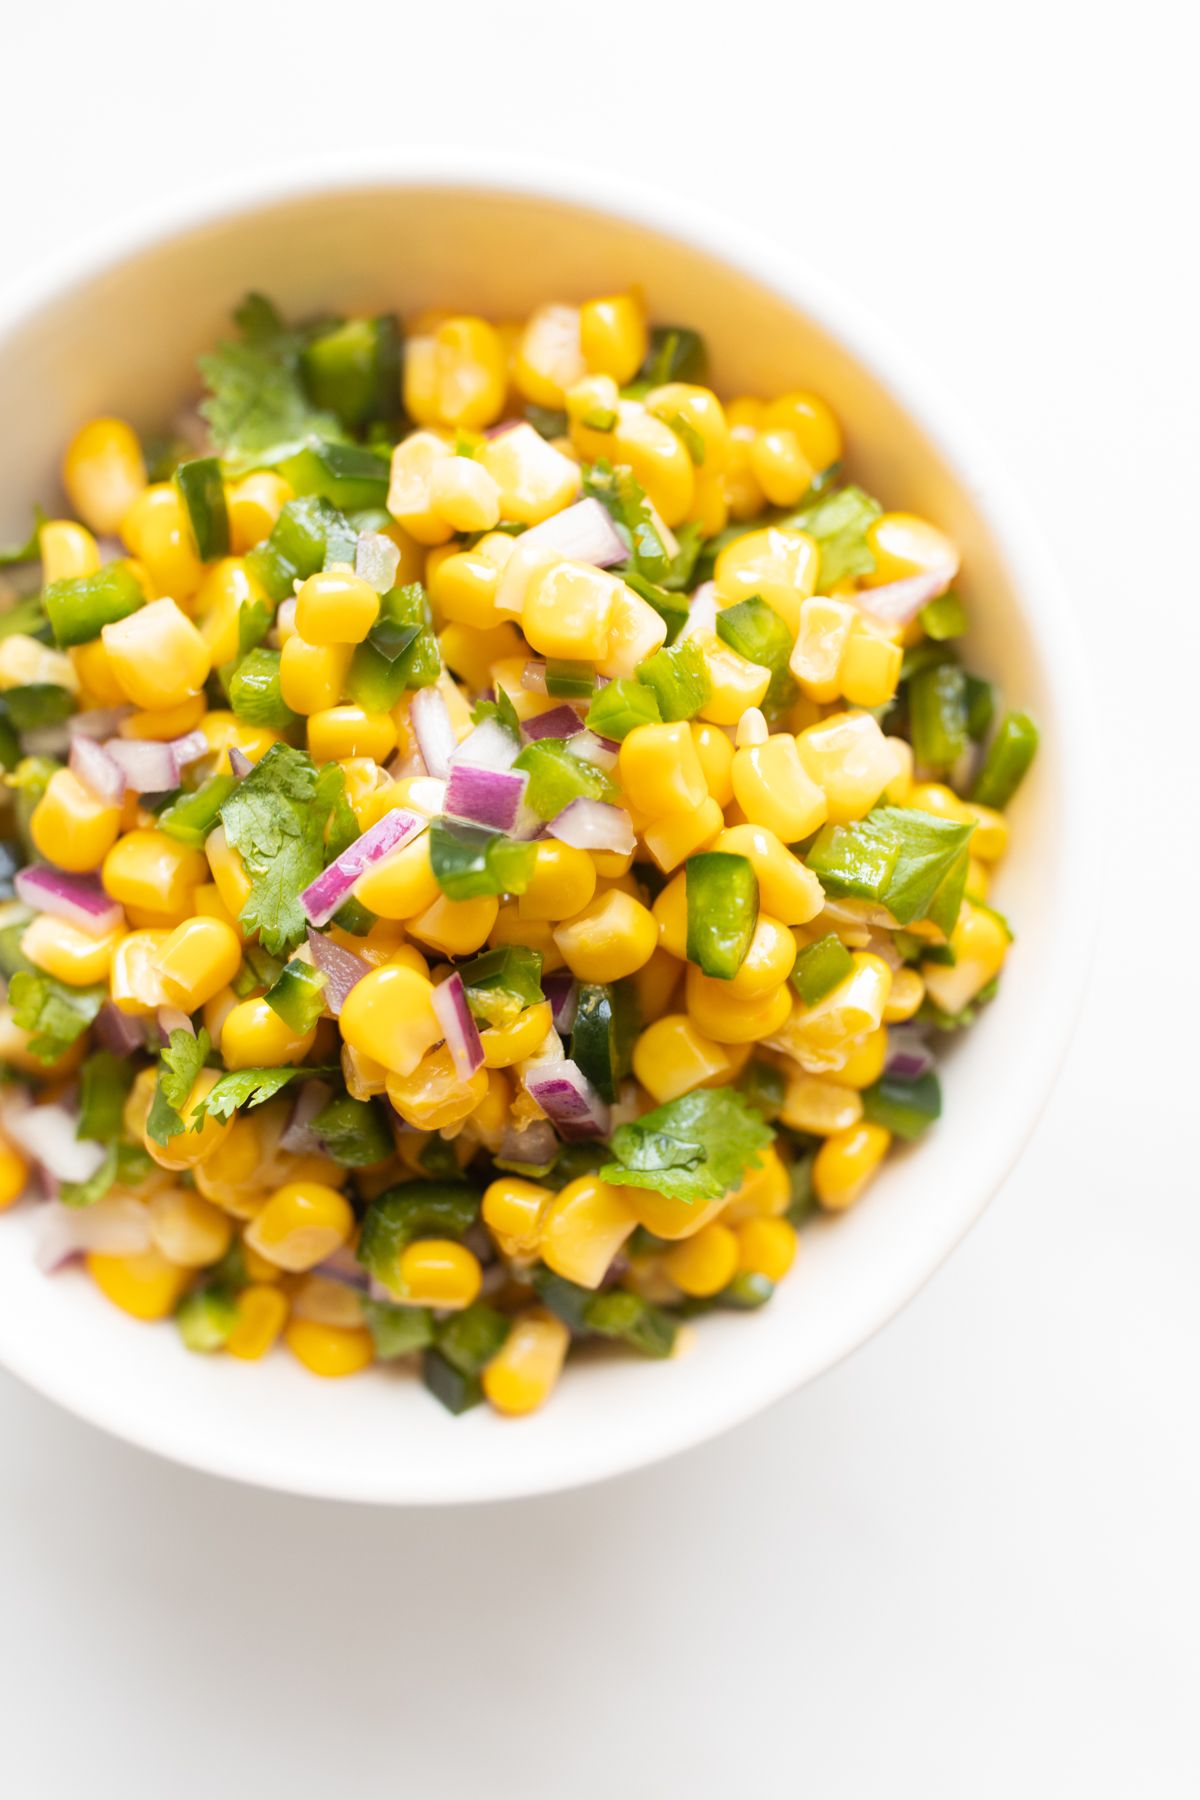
(123, 338)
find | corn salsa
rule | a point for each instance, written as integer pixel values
(495, 835)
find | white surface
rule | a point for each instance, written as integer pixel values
(964, 1563)
(150, 305)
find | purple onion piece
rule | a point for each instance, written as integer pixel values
(341, 968)
(96, 769)
(46, 1134)
(909, 1056)
(560, 722)
(115, 1225)
(489, 746)
(99, 722)
(298, 1135)
(149, 767)
(593, 825)
(436, 736)
(458, 1024)
(189, 748)
(77, 898)
(562, 991)
(490, 797)
(239, 763)
(117, 1031)
(602, 752)
(322, 897)
(899, 602)
(169, 1019)
(568, 1099)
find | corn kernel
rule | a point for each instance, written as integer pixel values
(14, 1174)
(904, 545)
(780, 466)
(660, 768)
(229, 877)
(864, 1063)
(715, 754)
(583, 1227)
(787, 889)
(671, 1057)
(562, 883)
(438, 1272)
(848, 758)
(705, 1263)
(980, 944)
(731, 1018)
(389, 1016)
(224, 731)
(254, 503)
(778, 566)
(635, 632)
(434, 1096)
(261, 1313)
(658, 458)
(189, 1231)
(188, 1147)
(818, 1106)
(820, 1036)
(534, 478)
(156, 529)
(672, 840)
(402, 884)
(347, 731)
(456, 375)
(774, 789)
(145, 1285)
(764, 1192)
(766, 1247)
(335, 606)
(148, 869)
(768, 961)
(512, 1212)
(568, 610)
(254, 1036)
(456, 927)
(301, 1224)
(846, 1163)
(157, 655)
(549, 357)
(200, 957)
(103, 473)
(67, 550)
(134, 982)
(409, 491)
(813, 423)
(522, 1375)
(870, 668)
(330, 1351)
(611, 937)
(613, 337)
(462, 492)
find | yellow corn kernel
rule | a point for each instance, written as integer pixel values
(409, 500)
(778, 566)
(103, 473)
(301, 1224)
(133, 982)
(512, 1212)
(672, 840)
(504, 1045)
(786, 889)
(226, 587)
(774, 789)
(846, 1163)
(71, 827)
(438, 1272)
(979, 879)
(612, 336)
(510, 928)
(224, 731)
(660, 768)
(743, 496)
(242, 1164)
(462, 492)
(456, 375)
(766, 1247)
(903, 545)
(229, 877)
(612, 936)
(819, 1106)
(254, 1036)
(312, 676)
(148, 869)
(936, 798)
(346, 731)
(658, 458)
(157, 655)
(94, 674)
(25, 662)
(463, 586)
(145, 1285)
(671, 1057)
(549, 356)
(767, 962)
(670, 917)
(849, 759)
(826, 627)
(704, 1263)
(583, 1227)
(569, 610)
(864, 1064)
(522, 1375)
(635, 632)
(732, 1018)
(779, 465)
(189, 1231)
(262, 1312)
(765, 1190)
(702, 417)
(67, 551)
(980, 943)
(870, 668)
(820, 1036)
(735, 682)
(336, 606)
(330, 1351)
(65, 951)
(199, 958)
(989, 840)
(156, 529)
(188, 1147)
(812, 421)
(562, 883)
(715, 754)
(163, 722)
(655, 983)
(534, 478)
(14, 1174)
(434, 1095)
(904, 997)
(456, 927)
(402, 884)
(389, 1016)
(254, 503)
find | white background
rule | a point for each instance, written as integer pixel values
(965, 1564)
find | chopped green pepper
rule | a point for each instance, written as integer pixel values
(349, 476)
(203, 494)
(353, 370)
(603, 1034)
(190, 817)
(1007, 761)
(469, 860)
(679, 679)
(255, 693)
(620, 707)
(354, 1132)
(821, 967)
(906, 1108)
(397, 1330)
(78, 608)
(502, 983)
(556, 777)
(937, 710)
(298, 995)
(722, 911)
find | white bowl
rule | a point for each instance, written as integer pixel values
(117, 329)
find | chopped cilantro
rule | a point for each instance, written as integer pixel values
(839, 524)
(694, 1148)
(51, 1011)
(275, 819)
(257, 407)
(502, 710)
(243, 1087)
(179, 1065)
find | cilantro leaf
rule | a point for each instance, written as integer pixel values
(275, 819)
(244, 1087)
(105, 1081)
(257, 407)
(694, 1148)
(839, 524)
(181, 1062)
(502, 710)
(52, 1012)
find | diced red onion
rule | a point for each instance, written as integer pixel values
(376, 560)
(435, 734)
(99, 723)
(74, 897)
(899, 602)
(489, 746)
(559, 722)
(562, 991)
(601, 752)
(96, 769)
(341, 969)
(115, 1225)
(490, 797)
(567, 1098)
(298, 1136)
(535, 1146)
(47, 1134)
(171, 1018)
(456, 1020)
(117, 1031)
(909, 1056)
(593, 825)
(239, 763)
(580, 533)
(322, 897)
(702, 611)
(533, 678)
(148, 766)
(189, 748)
(344, 1267)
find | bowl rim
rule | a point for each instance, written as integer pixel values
(1052, 627)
